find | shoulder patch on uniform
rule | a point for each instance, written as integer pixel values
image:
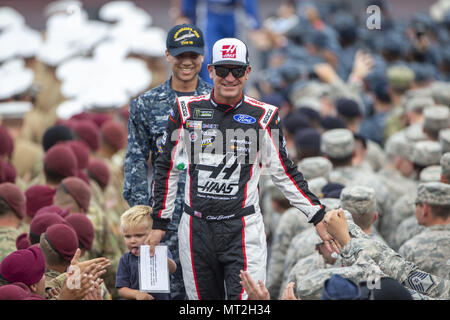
(420, 281)
(183, 105)
(269, 110)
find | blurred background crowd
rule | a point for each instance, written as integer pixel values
(360, 106)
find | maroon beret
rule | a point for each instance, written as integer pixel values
(99, 171)
(84, 229)
(27, 266)
(80, 116)
(7, 172)
(14, 197)
(83, 176)
(114, 133)
(81, 151)
(53, 209)
(100, 118)
(62, 238)
(61, 160)
(38, 196)
(40, 223)
(87, 131)
(79, 190)
(22, 241)
(6, 142)
(14, 291)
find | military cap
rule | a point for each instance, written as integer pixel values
(400, 77)
(445, 163)
(27, 266)
(6, 142)
(426, 153)
(84, 229)
(38, 196)
(14, 197)
(414, 133)
(56, 134)
(430, 173)
(436, 118)
(79, 190)
(295, 121)
(358, 200)
(22, 241)
(316, 185)
(14, 109)
(330, 122)
(338, 143)
(418, 104)
(398, 145)
(53, 209)
(7, 172)
(444, 139)
(308, 139)
(14, 292)
(61, 160)
(340, 288)
(81, 151)
(114, 134)
(310, 112)
(314, 167)
(309, 102)
(88, 132)
(63, 239)
(83, 176)
(348, 108)
(440, 92)
(434, 193)
(99, 171)
(40, 223)
(330, 203)
(332, 190)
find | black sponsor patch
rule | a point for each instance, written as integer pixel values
(203, 114)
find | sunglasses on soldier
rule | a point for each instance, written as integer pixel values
(237, 72)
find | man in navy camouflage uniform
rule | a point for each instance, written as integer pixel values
(148, 118)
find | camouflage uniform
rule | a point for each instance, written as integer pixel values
(291, 223)
(392, 264)
(405, 231)
(50, 275)
(430, 249)
(146, 126)
(58, 282)
(8, 236)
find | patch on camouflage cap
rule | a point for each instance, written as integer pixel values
(430, 173)
(444, 139)
(426, 153)
(434, 193)
(314, 167)
(337, 143)
(445, 164)
(358, 199)
(436, 118)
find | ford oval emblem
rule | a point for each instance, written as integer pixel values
(245, 119)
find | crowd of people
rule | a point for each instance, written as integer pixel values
(365, 116)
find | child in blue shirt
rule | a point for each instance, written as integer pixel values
(135, 225)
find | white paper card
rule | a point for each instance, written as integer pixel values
(153, 271)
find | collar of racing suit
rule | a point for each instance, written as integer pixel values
(226, 107)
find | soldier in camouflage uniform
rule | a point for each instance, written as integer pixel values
(444, 140)
(445, 168)
(146, 126)
(430, 250)
(12, 211)
(291, 223)
(357, 245)
(407, 229)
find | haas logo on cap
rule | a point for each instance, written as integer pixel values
(228, 51)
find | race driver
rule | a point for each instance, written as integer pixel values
(222, 139)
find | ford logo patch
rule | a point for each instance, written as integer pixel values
(245, 119)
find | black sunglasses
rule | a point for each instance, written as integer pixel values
(238, 72)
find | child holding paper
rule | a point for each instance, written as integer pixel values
(135, 225)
